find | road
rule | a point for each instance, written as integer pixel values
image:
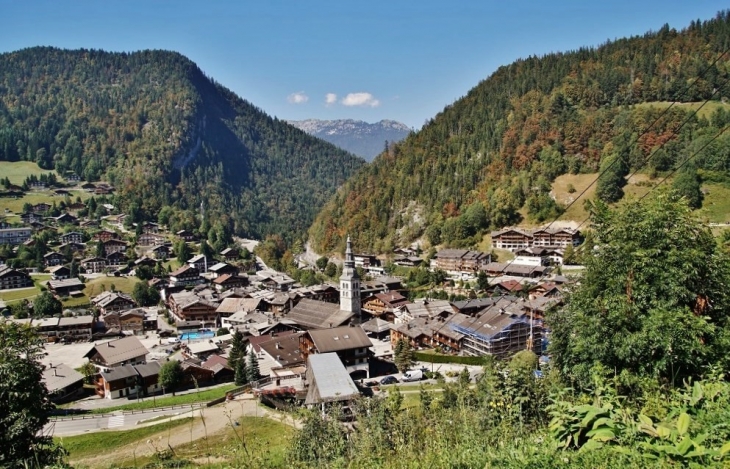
(116, 421)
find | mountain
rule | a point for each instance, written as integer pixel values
(489, 159)
(357, 137)
(164, 134)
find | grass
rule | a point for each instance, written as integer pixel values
(18, 171)
(706, 110)
(75, 302)
(121, 284)
(191, 398)
(716, 205)
(20, 294)
(502, 255)
(90, 444)
(579, 182)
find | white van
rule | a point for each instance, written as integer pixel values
(413, 375)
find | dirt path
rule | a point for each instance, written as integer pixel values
(207, 422)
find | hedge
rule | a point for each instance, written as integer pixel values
(437, 358)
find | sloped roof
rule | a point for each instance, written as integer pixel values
(119, 372)
(376, 325)
(284, 350)
(339, 338)
(119, 350)
(148, 369)
(313, 314)
(60, 376)
(328, 379)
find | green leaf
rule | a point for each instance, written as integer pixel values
(663, 432)
(684, 446)
(589, 418)
(646, 420)
(697, 393)
(604, 421)
(683, 423)
(602, 434)
(725, 449)
(591, 445)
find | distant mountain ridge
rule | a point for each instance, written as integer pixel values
(358, 137)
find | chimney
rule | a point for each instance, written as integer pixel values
(278, 345)
(278, 357)
(55, 372)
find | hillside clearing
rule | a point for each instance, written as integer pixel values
(18, 171)
(705, 112)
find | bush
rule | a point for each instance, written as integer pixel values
(436, 358)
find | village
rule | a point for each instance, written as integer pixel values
(314, 345)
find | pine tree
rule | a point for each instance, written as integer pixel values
(403, 355)
(241, 373)
(252, 367)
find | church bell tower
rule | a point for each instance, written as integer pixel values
(350, 285)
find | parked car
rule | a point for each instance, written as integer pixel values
(370, 384)
(389, 380)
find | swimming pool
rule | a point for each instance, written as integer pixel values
(197, 335)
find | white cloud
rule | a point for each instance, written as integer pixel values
(360, 99)
(298, 98)
(330, 98)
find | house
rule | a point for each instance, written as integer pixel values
(145, 261)
(366, 261)
(72, 247)
(125, 321)
(151, 239)
(539, 256)
(194, 374)
(222, 268)
(129, 380)
(88, 187)
(104, 236)
(199, 262)
(187, 306)
(376, 327)
(516, 270)
(63, 382)
(313, 314)
(114, 245)
(227, 281)
(185, 235)
(41, 207)
(160, 252)
(66, 219)
(72, 237)
(30, 217)
(516, 238)
(277, 350)
(53, 258)
(93, 265)
(462, 260)
(150, 227)
(67, 287)
(108, 302)
(128, 350)
(329, 381)
(277, 282)
(383, 305)
(230, 306)
(512, 238)
(47, 327)
(222, 373)
(15, 236)
(508, 287)
(201, 349)
(185, 275)
(350, 343)
(427, 308)
(230, 255)
(60, 272)
(75, 328)
(116, 259)
(407, 261)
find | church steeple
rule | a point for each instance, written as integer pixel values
(350, 284)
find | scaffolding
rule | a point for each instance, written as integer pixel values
(500, 336)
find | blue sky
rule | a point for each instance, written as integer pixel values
(368, 60)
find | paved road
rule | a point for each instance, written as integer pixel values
(116, 421)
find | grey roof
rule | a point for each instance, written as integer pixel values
(119, 372)
(428, 308)
(202, 347)
(76, 321)
(67, 283)
(104, 299)
(313, 314)
(148, 369)
(119, 350)
(328, 380)
(60, 376)
(339, 338)
(284, 350)
(376, 325)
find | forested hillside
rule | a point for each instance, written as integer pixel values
(489, 159)
(163, 133)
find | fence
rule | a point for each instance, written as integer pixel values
(126, 412)
(435, 358)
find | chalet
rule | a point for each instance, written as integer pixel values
(186, 275)
(125, 321)
(195, 374)
(94, 265)
(61, 192)
(472, 306)
(15, 236)
(366, 261)
(66, 219)
(461, 260)
(407, 261)
(509, 287)
(227, 281)
(114, 245)
(201, 349)
(376, 327)
(516, 270)
(76, 207)
(277, 282)
(145, 261)
(321, 292)
(116, 259)
(88, 187)
(70, 176)
(129, 380)
(108, 302)
(40, 227)
(151, 239)
(60, 272)
(426, 309)
(222, 268)
(350, 343)
(199, 262)
(222, 373)
(516, 238)
(328, 382)
(512, 238)
(103, 190)
(63, 382)
(150, 227)
(11, 278)
(30, 217)
(230, 255)
(72, 247)
(104, 236)
(53, 258)
(160, 252)
(75, 328)
(66, 287)
(71, 237)
(187, 306)
(185, 235)
(278, 303)
(383, 305)
(128, 350)
(313, 314)
(41, 207)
